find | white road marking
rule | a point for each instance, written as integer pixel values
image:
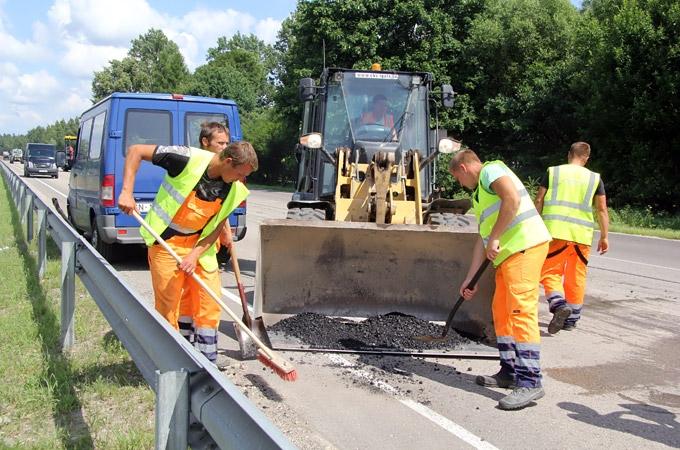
(447, 424)
(635, 262)
(58, 192)
(235, 299)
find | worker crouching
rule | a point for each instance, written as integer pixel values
(515, 239)
(199, 192)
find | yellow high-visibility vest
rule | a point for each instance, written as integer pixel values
(568, 203)
(172, 194)
(525, 231)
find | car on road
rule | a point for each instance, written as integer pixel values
(40, 159)
(5, 154)
(106, 131)
(16, 155)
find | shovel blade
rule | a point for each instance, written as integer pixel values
(246, 344)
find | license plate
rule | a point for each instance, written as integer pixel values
(144, 207)
(42, 170)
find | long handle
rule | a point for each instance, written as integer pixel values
(219, 301)
(237, 274)
(471, 285)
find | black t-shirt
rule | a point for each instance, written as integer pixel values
(174, 159)
(544, 183)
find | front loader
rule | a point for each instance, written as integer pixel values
(366, 232)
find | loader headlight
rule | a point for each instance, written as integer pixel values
(311, 140)
(448, 145)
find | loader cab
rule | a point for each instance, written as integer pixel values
(367, 112)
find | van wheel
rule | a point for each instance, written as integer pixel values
(104, 249)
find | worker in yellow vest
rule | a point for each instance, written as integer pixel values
(514, 238)
(214, 137)
(198, 193)
(565, 198)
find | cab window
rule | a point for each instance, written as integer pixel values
(84, 140)
(147, 127)
(193, 122)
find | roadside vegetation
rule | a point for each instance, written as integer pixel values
(90, 397)
(531, 77)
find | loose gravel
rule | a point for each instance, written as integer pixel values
(394, 331)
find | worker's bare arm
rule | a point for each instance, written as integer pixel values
(135, 154)
(505, 189)
(540, 197)
(600, 202)
(190, 261)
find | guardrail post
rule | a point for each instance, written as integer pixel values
(172, 409)
(29, 218)
(42, 242)
(68, 294)
(21, 205)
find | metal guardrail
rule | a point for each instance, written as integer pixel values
(195, 404)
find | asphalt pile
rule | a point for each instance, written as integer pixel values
(392, 331)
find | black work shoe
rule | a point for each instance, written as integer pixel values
(569, 326)
(559, 316)
(520, 397)
(495, 380)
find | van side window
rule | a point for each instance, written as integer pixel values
(84, 139)
(147, 127)
(193, 122)
(97, 136)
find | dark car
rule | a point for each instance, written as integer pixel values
(40, 159)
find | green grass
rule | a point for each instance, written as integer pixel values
(644, 222)
(90, 397)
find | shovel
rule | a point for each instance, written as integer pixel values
(246, 344)
(460, 301)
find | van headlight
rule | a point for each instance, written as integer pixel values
(30, 164)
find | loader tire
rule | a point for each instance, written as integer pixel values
(449, 219)
(310, 214)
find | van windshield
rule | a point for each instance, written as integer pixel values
(41, 150)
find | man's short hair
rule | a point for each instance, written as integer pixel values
(208, 129)
(241, 152)
(580, 149)
(464, 156)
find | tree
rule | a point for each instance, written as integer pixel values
(153, 64)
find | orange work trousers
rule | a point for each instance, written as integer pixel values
(564, 276)
(173, 287)
(515, 315)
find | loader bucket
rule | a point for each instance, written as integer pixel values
(357, 269)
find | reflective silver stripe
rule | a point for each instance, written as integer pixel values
(185, 319)
(589, 192)
(580, 206)
(509, 354)
(496, 206)
(532, 363)
(505, 339)
(585, 223)
(181, 229)
(206, 348)
(527, 346)
(179, 198)
(555, 182)
(209, 332)
(526, 215)
(155, 207)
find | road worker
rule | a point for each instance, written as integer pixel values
(213, 137)
(378, 114)
(199, 192)
(565, 198)
(514, 238)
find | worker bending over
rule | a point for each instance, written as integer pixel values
(515, 239)
(199, 192)
(565, 199)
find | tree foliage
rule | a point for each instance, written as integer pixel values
(50, 134)
(153, 64)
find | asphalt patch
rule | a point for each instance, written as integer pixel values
(392, 331)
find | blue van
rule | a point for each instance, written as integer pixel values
(107, 130)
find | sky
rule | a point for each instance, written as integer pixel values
(49, 49)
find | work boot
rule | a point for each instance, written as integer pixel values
(559, 316)
(495, 380)
(520, 397)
